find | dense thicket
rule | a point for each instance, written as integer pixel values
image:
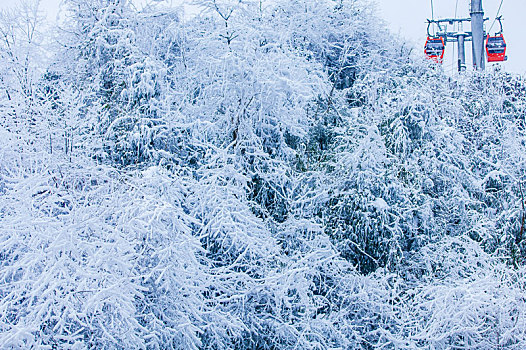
(261, 175)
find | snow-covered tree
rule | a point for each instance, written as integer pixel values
(258, 175)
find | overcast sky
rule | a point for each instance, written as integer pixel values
(407, 18)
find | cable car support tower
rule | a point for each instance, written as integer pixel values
(458, 36)
(477, 28)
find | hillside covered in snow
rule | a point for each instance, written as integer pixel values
(263, 175)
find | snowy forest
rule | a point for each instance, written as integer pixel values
(263, 174)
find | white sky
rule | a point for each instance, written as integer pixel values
(407, 18)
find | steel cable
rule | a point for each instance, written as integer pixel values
(497, 16)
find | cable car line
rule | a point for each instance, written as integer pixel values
(495, 20)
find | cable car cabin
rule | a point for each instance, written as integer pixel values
(434, 48)
(496, 48)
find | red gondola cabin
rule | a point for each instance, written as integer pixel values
(434, 49)
(496, 48)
